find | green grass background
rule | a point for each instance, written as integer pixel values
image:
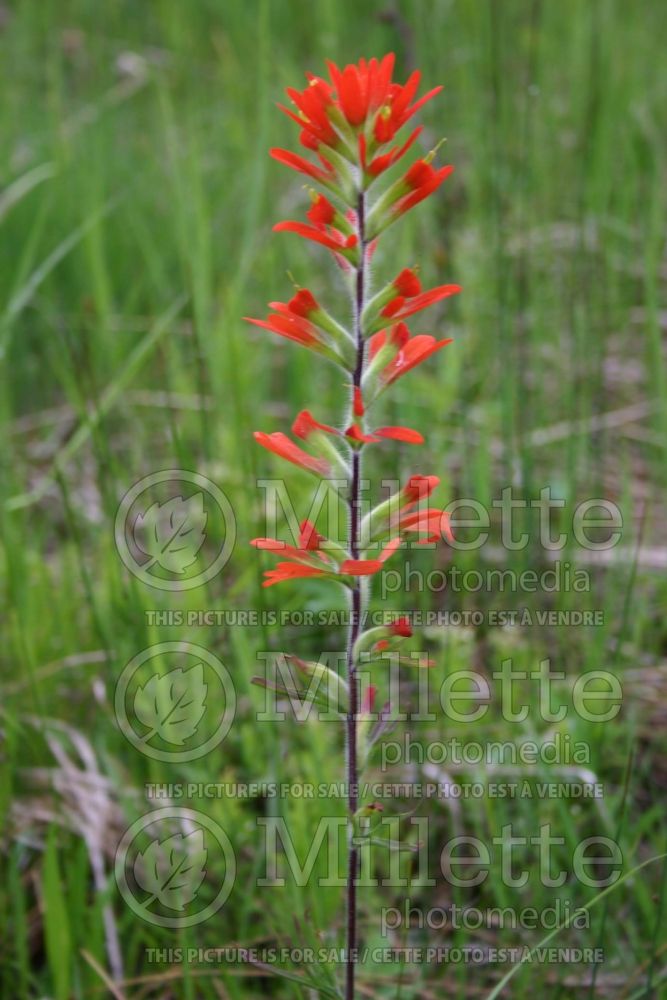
(136, 200)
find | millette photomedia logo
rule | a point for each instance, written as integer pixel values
(175, 530)
(175, 867)
(175, 701)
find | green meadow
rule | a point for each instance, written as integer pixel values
(137, 198)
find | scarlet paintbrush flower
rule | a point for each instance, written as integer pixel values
(421, 180)
(304, 425)
(407, 283)
(399, 309)
(325, 174)
(311, 559)
(401, 627)
(292, 327)
(400, 353)
(417, 349)
(322, 212)
(312, 103)
(404, 434)
(329, 237)
(351, 123)
(418, 488)
(384, 161)
(398, 110)
(281, 445)
(304, 321)
(432, 523)
(362, 88)
(303, 303)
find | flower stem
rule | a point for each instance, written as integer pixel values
(355, 625)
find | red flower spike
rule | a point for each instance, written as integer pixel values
(351, 123)
(281, 445)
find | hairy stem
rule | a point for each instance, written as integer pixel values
(356, 609)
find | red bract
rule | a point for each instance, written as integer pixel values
(384, 161)
(401, 627)
(293, 327)
(398, 109)
(312, 104)
(281, 445)
(359, 94)
(407, 283)
(310, 559)
(421, 180)
(410, 351)
(431, 523)
(399, 309)
(321, 212)
(324, 174)
(418, 488)
(329, 237)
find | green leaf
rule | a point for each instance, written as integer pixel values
(56, 922)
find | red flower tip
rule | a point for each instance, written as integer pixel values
(421, 179)
(358, 403)
(355, 433)
(309, 537)
(368, 700)
(401, 627)
(360, 567)
(419, 174)
(405, 434)
(407, 283)
(321, 212)
(305, 424)
(419, 487)
(303, 303)
(400, 335)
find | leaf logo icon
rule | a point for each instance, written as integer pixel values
(171, 533)
(172, 870)
(172, 705)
